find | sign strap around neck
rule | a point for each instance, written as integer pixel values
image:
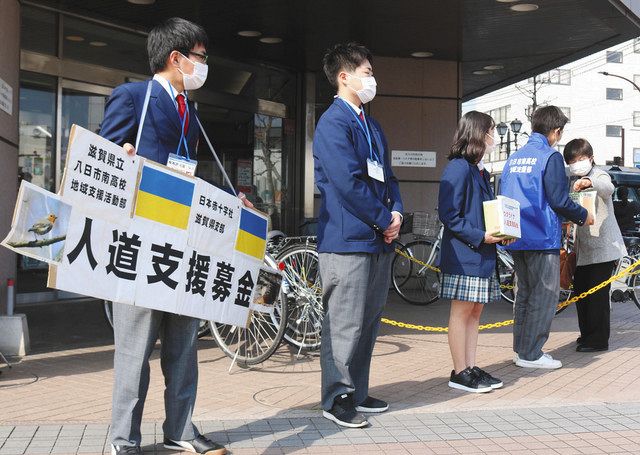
(215, 155)
(145, 106)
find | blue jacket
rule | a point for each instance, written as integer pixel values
(462, 192)
(161, 130)
(354, 206)
(535, 177)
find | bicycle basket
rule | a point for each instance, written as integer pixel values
(425, 224)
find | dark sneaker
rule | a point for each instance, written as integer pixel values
(469, 382)
(201, 445)
(494, 382)
(344, 413)
(371, 404)
(125, 450)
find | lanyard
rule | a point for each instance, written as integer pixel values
(183, 139)
(145, 107)
(365, 128)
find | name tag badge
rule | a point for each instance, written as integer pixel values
(182, 164)
(375, 170)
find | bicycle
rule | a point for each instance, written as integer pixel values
(258, 341)
(626, 287)
(300, 301)
(298, 261)
(415, 276)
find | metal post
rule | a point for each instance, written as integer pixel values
(622, 145)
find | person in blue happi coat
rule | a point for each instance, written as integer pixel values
(535, 176)
(360, 215)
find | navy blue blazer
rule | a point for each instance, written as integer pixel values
(161, 130)
(354, 206)
(462, 191)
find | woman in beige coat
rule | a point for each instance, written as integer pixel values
(597, 247)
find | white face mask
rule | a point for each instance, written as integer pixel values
(197, 79)
(368, 91)
(488, 148)
(580, 168)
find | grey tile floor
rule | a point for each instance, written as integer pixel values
(316, 431)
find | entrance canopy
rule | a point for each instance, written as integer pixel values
(497, 42)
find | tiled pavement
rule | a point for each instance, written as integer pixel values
(58, 401)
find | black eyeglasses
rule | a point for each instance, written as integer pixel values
(203, 57)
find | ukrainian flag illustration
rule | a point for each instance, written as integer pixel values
(164, 197)
(252, 234)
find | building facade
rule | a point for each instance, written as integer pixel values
(266, 90)
(605, 110)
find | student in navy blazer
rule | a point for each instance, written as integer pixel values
(360, 215)
(177, 56)
(467, 253)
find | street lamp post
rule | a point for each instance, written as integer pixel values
(604, 73)
(503, 129)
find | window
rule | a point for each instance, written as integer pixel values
(636, 118)
(614, 94)
(636, 156)
(636, 45)
(500, 114)
(614, 56)
(566, 111)
(614, 131)
(556, 76)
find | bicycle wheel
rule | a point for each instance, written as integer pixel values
(565, 294)
(634, 286)
(507, 277)
(260, 339)
(415, 283)
(299, 264)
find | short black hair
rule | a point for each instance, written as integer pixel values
(577, 148)
(344, 57)
(547, 118)
(174, 34)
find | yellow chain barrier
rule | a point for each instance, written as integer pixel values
(436, 269)
(494, 325)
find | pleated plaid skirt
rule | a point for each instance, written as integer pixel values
(469, 288)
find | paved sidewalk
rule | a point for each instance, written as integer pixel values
(59, 400)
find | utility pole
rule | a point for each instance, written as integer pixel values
(622, 145)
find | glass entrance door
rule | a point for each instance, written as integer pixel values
(43, 149)
(83, 105)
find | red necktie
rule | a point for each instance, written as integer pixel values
(182, 109)
(361, 116)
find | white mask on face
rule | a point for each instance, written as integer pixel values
(580, 168)
(197, 79)
(368, 90)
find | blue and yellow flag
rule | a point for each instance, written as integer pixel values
(252, 235)
(164, 197)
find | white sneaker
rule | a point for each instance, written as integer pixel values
(545, 361)
(515, 357)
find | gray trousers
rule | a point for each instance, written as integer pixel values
(355, 287)
(538, 291)
(136, 330)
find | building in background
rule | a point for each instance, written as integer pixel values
(603, 109)
(266, 90)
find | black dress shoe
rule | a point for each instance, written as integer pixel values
(583, 348)
(200, 444)
(579, 340)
